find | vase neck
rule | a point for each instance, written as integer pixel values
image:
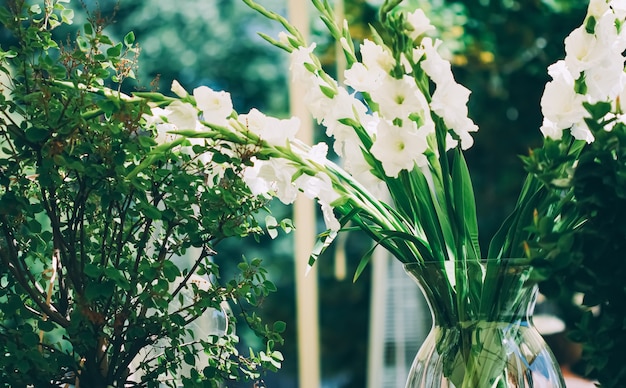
(461, 294)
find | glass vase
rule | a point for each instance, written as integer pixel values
(482, 334)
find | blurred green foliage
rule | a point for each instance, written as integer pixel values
(211, 43)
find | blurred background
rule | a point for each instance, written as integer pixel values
(500, 49)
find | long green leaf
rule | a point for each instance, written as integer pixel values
(465, 203)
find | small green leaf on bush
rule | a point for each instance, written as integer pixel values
(83, 43)
(170, 271)
(105, 40)
(279, 326)
(269, 286)
(151, 211)
(88, 29)
(115, 51)
(189, 359)
(129, 39)
(67, 15)
(36, 135)
(146, 141)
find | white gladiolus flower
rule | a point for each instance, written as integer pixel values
(330, 220)
(315, 100)
(272, 176)
(376, 57)
(399, 148)
(606, 31)
(215, 106)
(157, 116)
(586, 51)
(559, 70)
(351, 152)
(256, 185)
(550, 129)
(357, 166)
(438, 69)
(597, 8)
(619, 8)
(451, 142)
(580, 131)
(178, 90)
(419, 23)
(183, 115)
(274, 131)
(463, 130)
(283, 37)
(157, 119)
(320, 187)
(343, 106)
(361, 79)
(581, 51)
(606, 79)
(318, 153)
(398, 98)
(299, 57)
(560, 103)
(450, 103)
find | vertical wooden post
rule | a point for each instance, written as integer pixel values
(341, 266)
(376, 340)
(307, 310)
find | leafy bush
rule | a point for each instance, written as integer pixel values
(579, 252)
(95, 216)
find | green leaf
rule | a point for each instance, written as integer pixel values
(115, 51)
(67, 15)
(146, 141)
(83, 43)
(170, 271)
(35, 9)
(365, 259)
(7, 54)
(465, 203)
(129, 39)
(106, 40)
(189, 359)
(29, 339)
(36, 135)
(270, 286)
(271, 224)
(108, 106)
(150, 211)
(88, 29)
(279, 326)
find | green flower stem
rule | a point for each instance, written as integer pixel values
(274, 16)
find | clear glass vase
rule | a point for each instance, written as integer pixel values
(482, 334)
